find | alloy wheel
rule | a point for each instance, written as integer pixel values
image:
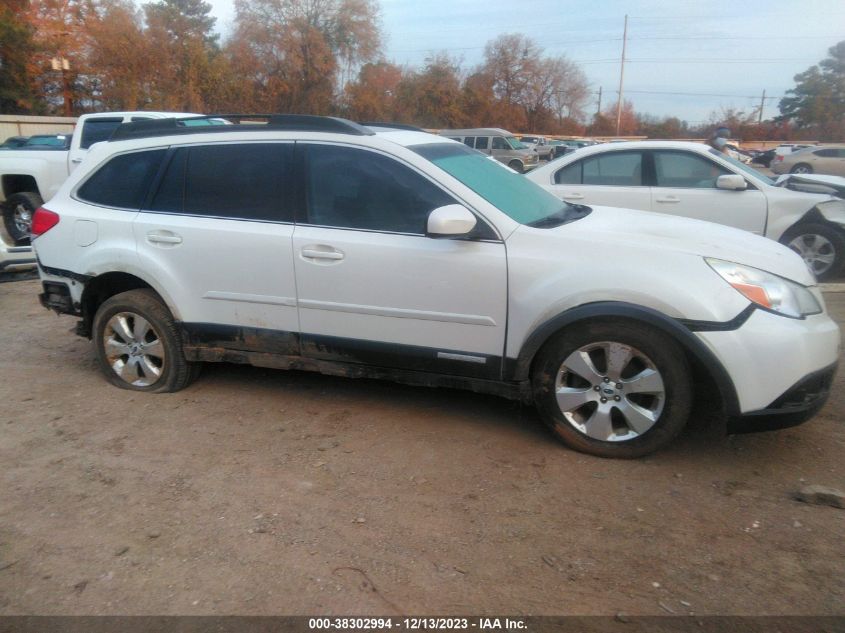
(610, 391)
(22, 216)
(134, 349)
(817, 251)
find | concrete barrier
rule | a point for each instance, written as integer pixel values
(20, 125)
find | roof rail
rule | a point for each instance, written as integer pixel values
(392, 126)
(215, 123)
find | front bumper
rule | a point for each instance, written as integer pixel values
(797, 405)
(780, 367)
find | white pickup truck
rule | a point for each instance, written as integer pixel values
(30, 176)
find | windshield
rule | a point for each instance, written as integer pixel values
(748, 170)
(514, 143)
(512, 193)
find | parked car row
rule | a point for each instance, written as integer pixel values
(695, 181)
(821, 159)
(397, 254)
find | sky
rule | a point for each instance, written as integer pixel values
(720, 53)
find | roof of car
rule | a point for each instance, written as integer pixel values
(476, 131)
(645, 145)
(271, 125)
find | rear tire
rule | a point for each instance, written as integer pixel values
(139, 346)
(821, 246)
(634, 398)
(17, 215)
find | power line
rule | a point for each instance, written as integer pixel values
(738, 37)
(697, 94)
(691, 61)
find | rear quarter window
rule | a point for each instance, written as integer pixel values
(123, 181)
(97, 130)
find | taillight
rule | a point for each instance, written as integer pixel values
(43, 221)
(778, 156)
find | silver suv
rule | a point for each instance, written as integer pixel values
(498, 143)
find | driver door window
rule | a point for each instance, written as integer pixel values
(686, 170)
(368, 191)
(499, 143)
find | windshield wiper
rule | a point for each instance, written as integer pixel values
(568, 213)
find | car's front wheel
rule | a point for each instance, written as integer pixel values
(822, 247)
(613, 389)
(516, 166)
(138, 344)
(801, 168)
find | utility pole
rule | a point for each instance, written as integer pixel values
(762, 103)
(62, 65)
(598, 109)
(621, 77)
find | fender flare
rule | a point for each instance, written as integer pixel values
(680, 330)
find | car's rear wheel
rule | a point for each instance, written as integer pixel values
(801, 168)
(138, 344)
(516, 166)
(822, 247)
(613, 389)
(17, 215)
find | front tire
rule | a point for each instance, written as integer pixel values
(138, 344)
(613, 389)
(17, 215)
(801, 168)
(821, 246)
(516, 166)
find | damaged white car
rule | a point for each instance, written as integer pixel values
(695, 181)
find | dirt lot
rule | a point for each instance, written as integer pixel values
(270, 492)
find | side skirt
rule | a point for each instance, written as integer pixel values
(343, 357)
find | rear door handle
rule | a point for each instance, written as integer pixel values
(165, 237)
(314, 253)
(573, 196)
(668, 199)
(76, 160)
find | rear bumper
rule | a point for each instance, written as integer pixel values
(798, 404)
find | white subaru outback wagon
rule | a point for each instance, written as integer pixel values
(320, 244)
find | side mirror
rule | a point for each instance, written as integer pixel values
(733, 182)
(453, 220)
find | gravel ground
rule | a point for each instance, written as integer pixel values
(271, 492)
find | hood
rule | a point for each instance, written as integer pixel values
(625, 228)
(815, 183)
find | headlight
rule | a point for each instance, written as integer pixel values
(767, 290)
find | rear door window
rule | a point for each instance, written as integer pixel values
(569, 175)
(620, 169)
(246, 181)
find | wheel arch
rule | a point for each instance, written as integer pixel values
(779, 229)
(104, 286)
(19, 183)
(703, 361)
